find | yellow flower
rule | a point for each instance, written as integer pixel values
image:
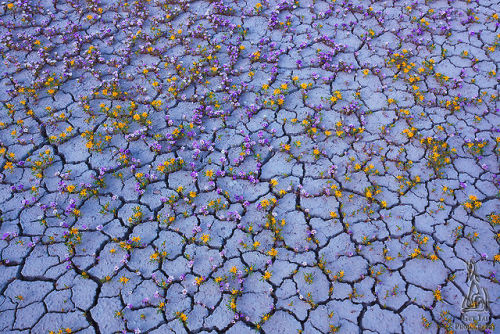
(124, 279)
(70, 188)
(437, 295)
(267, 275)
(273, 183)
(272, 252)
(182, 316)
(303, 85)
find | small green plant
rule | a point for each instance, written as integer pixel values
(309, 278)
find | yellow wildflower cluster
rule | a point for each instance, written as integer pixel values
(472, 203)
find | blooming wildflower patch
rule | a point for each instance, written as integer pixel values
(278, 166)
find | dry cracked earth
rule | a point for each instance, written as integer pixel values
(240, 166)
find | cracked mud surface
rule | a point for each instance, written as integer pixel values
(242, 166)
